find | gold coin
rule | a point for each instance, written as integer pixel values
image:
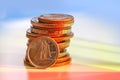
(42, 52)
(56, 18)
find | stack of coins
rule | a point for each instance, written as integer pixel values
(48, 37)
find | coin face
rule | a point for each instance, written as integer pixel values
(42, 52)
(53, 18)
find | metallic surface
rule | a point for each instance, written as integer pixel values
(42, 52)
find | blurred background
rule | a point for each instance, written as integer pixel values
(96, 20)
(96, 41)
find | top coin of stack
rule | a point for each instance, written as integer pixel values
(55, 26)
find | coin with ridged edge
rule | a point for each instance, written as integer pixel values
(42, 52)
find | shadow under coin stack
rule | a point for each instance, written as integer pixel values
(48, 37)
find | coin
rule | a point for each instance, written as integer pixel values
(33, 36)
(51, 32)
(42, 52)
(56, 18)
(35, 22)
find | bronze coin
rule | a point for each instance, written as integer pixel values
(56, 18)
(42, 52)
(35, 22)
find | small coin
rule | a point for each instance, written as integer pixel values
(42, 52)
(35, 22)
(56, 18)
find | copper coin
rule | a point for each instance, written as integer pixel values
(35, 22)
(42, 52)
(56, 18)
(51, 32)
(33, 36)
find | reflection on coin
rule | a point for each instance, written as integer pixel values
(56, 18)
(42, 52)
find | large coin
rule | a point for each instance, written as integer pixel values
(42, 52)
(56, 18)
